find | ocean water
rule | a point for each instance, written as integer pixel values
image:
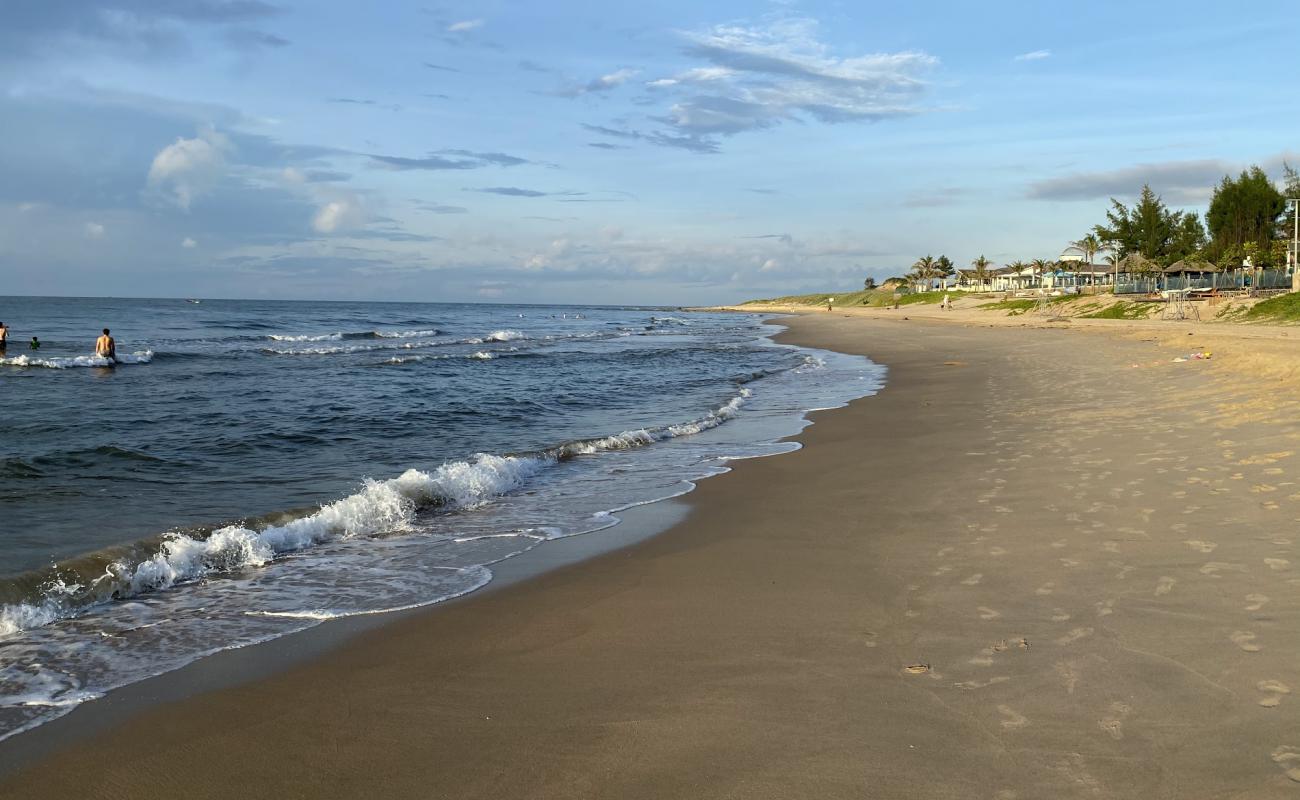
(253, 468)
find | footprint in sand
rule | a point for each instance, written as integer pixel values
(1246, 641)
(1068, 676)
(1059, 543)
(1288, 758)
(1256, 601)
(1110, 546)
(1213, 568)
(1204, 547)
(1045, 589)
(1165, 585)
(973, 580)
(942, 570)
(1059, 616)
(988, 613)
(945, 551)
(1277, 564)
(1075, 635)
(997, 551)
(1261, 488)
(1069, 562)
(982, 684)
(1113, 723)
(1274, 691)
(1105, 609)
(1012, 719)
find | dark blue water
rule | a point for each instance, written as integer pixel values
(255, 467)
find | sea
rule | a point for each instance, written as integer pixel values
(250, 469)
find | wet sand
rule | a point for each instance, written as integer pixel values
(1040, 563)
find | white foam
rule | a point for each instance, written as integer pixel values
(345, 348)
(505, 336)
(139, 357)
(324, 337)
(407, 334)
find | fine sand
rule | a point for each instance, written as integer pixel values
(1038, 564)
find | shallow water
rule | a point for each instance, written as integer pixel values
(259, 467)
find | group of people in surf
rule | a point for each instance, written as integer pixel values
(105, 346)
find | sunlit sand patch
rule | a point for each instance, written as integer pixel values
(973, 579)
(1277, 564)
(1202, 546)
(987, 613)
(1165, 585)
(1045, 589)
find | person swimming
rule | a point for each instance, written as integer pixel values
(36, 344)
(105, 347)
(4, 337)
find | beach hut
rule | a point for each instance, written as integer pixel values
(1191, 273)
(1136, 273)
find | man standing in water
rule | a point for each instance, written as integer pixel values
(105, 347)
(4, 337)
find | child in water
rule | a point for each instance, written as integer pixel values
(36, 343)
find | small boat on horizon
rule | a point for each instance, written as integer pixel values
(192, 300)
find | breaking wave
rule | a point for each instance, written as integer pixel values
(380, 507)
(68, 362)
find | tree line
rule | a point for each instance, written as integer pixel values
(1247, 219)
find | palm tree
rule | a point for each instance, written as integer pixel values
(1089, 246)
(981, 267)
(923, 270)
(1040, 267)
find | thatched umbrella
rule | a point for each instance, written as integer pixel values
(1187, 266)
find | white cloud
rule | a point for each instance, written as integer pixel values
(762, 75)
(188, 243)
(464, 25)
(94, 230)
(1036, 55)
(338, 215)
(602, 84)
(697, 75)
(189, 168)
(293, 175)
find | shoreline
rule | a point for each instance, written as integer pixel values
(841, 619)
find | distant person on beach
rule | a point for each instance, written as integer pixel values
(4, 337)
(36, 344)
(105, 347)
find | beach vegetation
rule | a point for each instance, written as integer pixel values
(1243, 218)
(1280, 308)
(1151, 229)
(1124, 310)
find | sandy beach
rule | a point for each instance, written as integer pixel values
(1045, 561)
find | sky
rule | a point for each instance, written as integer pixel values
(582, 152)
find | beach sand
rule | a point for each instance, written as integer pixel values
(1038, 564)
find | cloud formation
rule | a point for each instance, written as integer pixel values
(188, 168)
(514, 191)
(597, 85)
(464, 25)
(1036, 55)
(134, 28)
(1179, 182)
(764, 75)
(451, 159)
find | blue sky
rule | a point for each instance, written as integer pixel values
(601, 152)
